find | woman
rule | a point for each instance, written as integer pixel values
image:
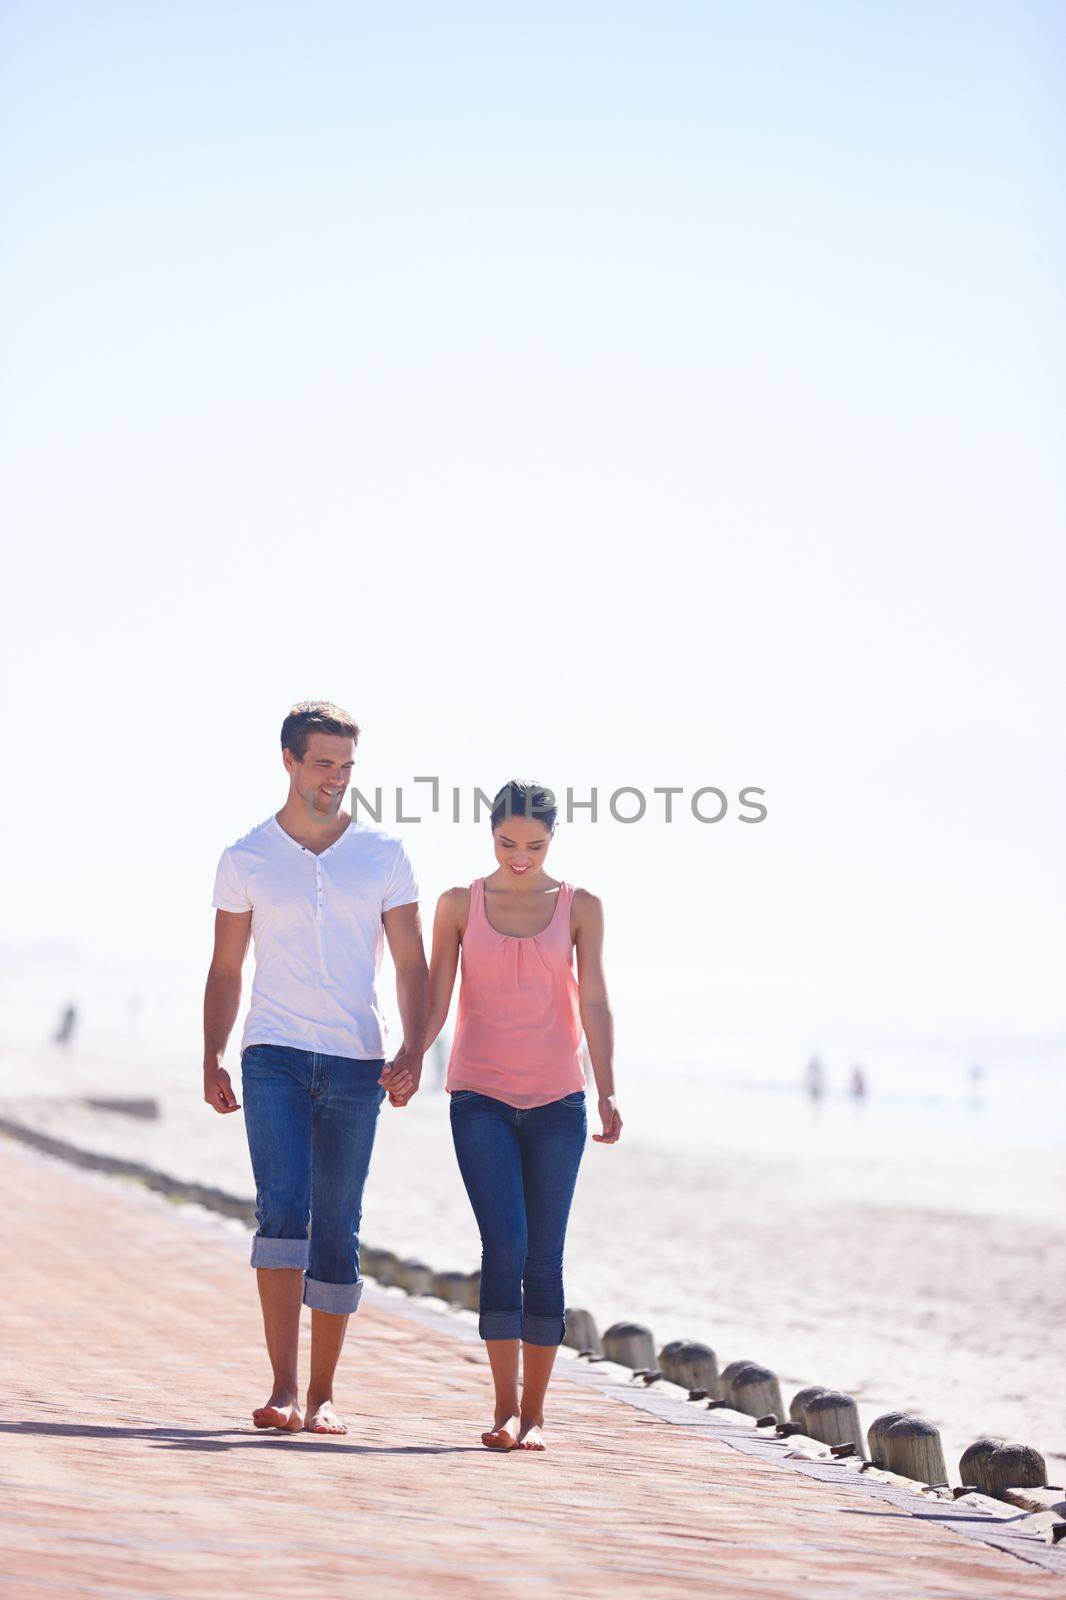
(518, 1088)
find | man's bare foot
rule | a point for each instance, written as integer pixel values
(530, 1436)
(322, 1418)
(281, 1411)
(503, 1435)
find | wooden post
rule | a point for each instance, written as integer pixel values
(581, 1331)
(693, 1366)
(385, 1266)
(1009, 1466)
(912, 1448)
(876, 1436)
(630, 1344)
(754, 1390)
(414, 1276)
(730, 1371)
(449, 1286)
(470, 1290)
(369, 1260)
(800, 1399)
(833, 1418)
(666, 1357)
(973, 1455)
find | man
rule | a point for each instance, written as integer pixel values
(313, 889)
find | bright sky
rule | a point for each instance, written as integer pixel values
(611, 394)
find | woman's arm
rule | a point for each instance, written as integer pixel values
(448, 924)
(596, 1017)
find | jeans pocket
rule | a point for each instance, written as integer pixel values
(273, 1055)
(575, 1099)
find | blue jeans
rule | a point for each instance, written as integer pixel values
(310, 1121)
(520, 1169)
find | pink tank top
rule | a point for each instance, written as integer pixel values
(518, 1032)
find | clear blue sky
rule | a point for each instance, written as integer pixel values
(662, 394)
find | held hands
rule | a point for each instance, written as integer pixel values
(611, 1119)
(218, 1090)
(401, 1076)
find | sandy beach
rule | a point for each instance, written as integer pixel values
(835, 1245)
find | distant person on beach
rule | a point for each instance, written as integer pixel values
(815, 1078)
(67, 1022)
(316, 892)
(517, 1086)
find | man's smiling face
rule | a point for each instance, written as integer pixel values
(322, 778)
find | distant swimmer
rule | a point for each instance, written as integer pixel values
(815, 1078)
(858, 1083)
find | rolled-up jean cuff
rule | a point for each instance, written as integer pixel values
(340, 1298)
(500, 1325)
(542, 1330)
(279, 1252)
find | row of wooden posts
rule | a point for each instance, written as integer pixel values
(897, 1441)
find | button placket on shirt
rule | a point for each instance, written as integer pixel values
(319, 917)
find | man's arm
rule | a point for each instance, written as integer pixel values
(222, 1001)
(403, 930)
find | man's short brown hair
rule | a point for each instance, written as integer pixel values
(315, 716)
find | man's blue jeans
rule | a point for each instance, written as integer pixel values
(310, 1121)
(520, 1170)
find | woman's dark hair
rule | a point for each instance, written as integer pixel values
(523, 798)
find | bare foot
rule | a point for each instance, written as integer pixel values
(281, 1411)
(503, 1435)
(323, 1419)
(530, 1436)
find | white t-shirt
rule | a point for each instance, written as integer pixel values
(317, 933)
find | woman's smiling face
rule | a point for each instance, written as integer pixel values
(521, 844)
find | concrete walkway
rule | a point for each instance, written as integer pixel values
(130, 1358)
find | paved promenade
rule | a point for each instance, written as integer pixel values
(130, 1359)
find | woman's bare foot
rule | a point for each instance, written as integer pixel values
(503, 1435)
(530, 1436)
(281, 1411)
(321, 1418)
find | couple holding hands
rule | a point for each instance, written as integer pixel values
(318, 893)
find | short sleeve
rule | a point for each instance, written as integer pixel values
(402, 886)
(229, 892)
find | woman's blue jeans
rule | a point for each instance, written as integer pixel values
(520, 1169)
(310, 1121)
